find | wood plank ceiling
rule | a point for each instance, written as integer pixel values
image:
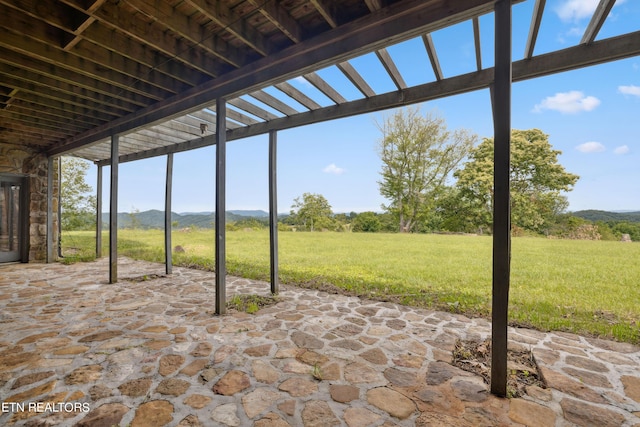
(75, 72)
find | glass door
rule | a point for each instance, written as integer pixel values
(12, 212)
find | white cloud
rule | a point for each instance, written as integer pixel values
(629, 90)
(575, 10)
(590, 147)
(568, 102)
(333, 169)
(623, 149)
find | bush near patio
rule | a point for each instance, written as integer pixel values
(584, 287)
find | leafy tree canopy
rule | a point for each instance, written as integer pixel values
(77, 202)
(418, 155)
(537, 181)
(312, 211)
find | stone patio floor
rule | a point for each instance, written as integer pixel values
(75, 350)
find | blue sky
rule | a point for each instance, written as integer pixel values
(592, 115)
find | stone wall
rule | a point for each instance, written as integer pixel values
(24, 161)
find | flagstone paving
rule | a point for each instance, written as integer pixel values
(77, 351)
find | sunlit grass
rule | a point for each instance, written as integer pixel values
(584, 287)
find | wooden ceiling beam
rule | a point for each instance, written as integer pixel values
(36, 38)
(398, 22)
(65, 60)
(119, 23)
(189, 29)
(39, 121)
(226, 18)
(274, 12)
(73, 95)
(328, 11)
(54, 72)
(83, 113)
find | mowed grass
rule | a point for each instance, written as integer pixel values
(586, 287)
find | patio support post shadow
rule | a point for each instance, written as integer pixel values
(501, 102)
(273, 210)
(220, 222)
(99, 213)
(167, 215)
(113, 212)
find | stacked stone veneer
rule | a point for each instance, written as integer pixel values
(27, 162)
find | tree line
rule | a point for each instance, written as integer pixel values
(433, 179)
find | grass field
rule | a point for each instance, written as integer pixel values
(586, 287)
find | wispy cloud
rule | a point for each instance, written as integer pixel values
(591, 147)
(575, 10)
(568, 103)
(623, 149)
(333, 169)
(629, 90)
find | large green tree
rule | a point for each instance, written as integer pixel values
(418, 155)
(312, 211)
(77, 202)
(537, 182)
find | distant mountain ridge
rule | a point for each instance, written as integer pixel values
(155, 218)
(598, 215)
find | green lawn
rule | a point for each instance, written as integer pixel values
(584, 287)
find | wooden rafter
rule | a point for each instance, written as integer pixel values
(598, 18)
(433, 56)
(536, 19)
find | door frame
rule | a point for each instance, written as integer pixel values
(23, 217)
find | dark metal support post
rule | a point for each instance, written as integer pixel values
(273, 210)
(220, 257)
(99, 214)
(167, 215)
(113, 212)
(50, 248)
(501, 101)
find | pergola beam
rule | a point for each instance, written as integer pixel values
(433, 56)
(598, 52)
(372, 32)
(597, 20)
(536, 19)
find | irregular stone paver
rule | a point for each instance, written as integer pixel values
(153, 353)
(232, 383)
(107, 415)
(154, 413)
(391, 401)
(531, 414)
